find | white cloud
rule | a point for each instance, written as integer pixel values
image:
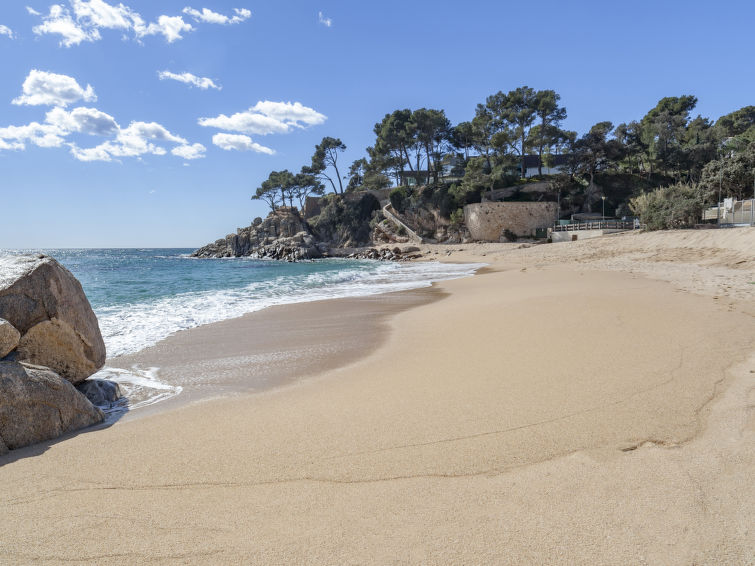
(99, 14)
(171, 27)
(267, 117)
(42, 135)
(85, 18)
(60, 22)
(58, 124)
(209, 17)
(242, 14)
(239, 143)
(193, 151)
(139, 138)
(249, 122)
(11, 145)
(149, 131)
(82, 120)
(133, 141)
(327, 22)
(51, 89)
(193, 80)
(99, 153)
(5, 30)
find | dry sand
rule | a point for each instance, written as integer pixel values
(586, 403)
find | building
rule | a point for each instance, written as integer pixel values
(556, 164)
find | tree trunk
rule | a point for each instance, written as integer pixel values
(540, 161)
(340, 183)
(408, 159)
(524, 169)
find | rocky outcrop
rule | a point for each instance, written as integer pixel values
(36, 405)
(396, 253)
(48, 307)
(9, 338)
(282, 235)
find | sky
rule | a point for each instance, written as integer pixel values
(150, 124)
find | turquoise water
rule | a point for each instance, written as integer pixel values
(141, 296)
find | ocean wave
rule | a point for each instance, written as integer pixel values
(132, 327)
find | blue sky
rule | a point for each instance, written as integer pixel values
(97, 150)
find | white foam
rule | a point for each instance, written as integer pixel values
(130, 328)
(140, 388)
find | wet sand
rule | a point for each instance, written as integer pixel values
(271, 348)
(577, 405)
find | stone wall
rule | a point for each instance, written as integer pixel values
(487, 220)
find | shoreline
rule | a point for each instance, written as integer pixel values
(271, 348)
(576, 410)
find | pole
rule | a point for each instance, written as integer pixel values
(720, 180)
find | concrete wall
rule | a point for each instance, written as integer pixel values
(567, 236)
(487, 220)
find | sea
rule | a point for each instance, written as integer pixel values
(141, 296)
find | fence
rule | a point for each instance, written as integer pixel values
(740, 212)
(599, 225)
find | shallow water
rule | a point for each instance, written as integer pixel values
(141, 296)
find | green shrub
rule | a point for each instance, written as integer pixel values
(344, 221)
(676, 206)
(399, 199)
(457, 217)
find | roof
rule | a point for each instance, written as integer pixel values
(556, 160)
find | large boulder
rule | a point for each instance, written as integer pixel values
(46, 303)
(36, 405)
(9, 338)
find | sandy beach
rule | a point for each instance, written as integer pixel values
(580, 403)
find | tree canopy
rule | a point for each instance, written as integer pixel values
(513, 133)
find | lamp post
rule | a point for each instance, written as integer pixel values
(720, 180)
(604, 208)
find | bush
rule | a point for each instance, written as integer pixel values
(676, 206)
(343, 221)
(457, 217)
(399, 199)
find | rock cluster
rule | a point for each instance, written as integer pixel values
(282, 235)
(405, 253)
(49, 341)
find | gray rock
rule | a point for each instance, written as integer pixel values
(284, 234)
(409, 249)
(47, 305)
(9, 338)
(100, 392)
(36, 405)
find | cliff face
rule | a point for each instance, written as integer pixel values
(282, 235)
